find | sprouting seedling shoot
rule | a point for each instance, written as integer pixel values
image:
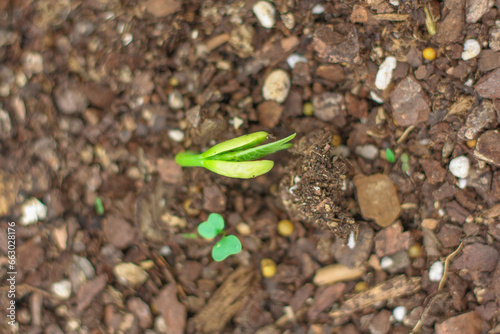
(236, 157)
(227, 245)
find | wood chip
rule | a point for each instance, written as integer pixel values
(397, 287)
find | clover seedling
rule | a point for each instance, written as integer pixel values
(227, 245)
(235, 157)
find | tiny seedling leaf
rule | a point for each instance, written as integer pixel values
(212, 227)
(228, 245)
(99, 207)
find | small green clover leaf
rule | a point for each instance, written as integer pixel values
(228, 245)
(212, 227)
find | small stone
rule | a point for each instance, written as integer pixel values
(358, 248)
(265, 13)
(392, 240)
(470, 323)
(378, 198)
(494, 38)
(475, 9)
(5, 124)
(399, 313)
(360, 14)
(70, 99)
(318, 9)
(176, 135)
(127, 38)
(488, 148)
(328, 106)
(336, 273)
(430, 223)
(477, 258)
(119, 232)
(142, 311)
(489, 85)
(336, 46)
(295, 58)
(162, 8)
(61, 289)
(301, 74)
(436, 271)
(369, 151)
(479, 118)
(175, 100)
(288, 20)
(450, 29)
(170, 171)
(32, 63)
(130, 274)
(409, 103)
(269, 113)
(471, 49)
(384, 74)
(334, 73)
(276, 86)
(32, 211)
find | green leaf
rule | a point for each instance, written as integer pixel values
(238, 143)
(212, 227)
(240, 170)
(99, 207)
(228, 245)
(255, 153)
(389, 155)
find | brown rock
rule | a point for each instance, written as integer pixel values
(301, 74)
(173, 312)
(336, 45)
(488, 60)
(269, 113)
(99, 96)
(141, 310)
(169, 170)
(381, 323)
(119, 232)
(488, 147)
(162, 8)
(479, 118)
(334, 73)
(359, 254)
(450, 28)
(213, 199)
(356, 107)
(392, 240)
(469, 323)
(449, 235)
(324, 298)
(360, 14)
(475, 9)
(90, 290)
(494, 38)
(378, 198)
(433, 170)
(477, 257)
(409, 103)
(70, 99)
(489, 85)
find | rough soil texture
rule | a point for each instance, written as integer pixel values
(392, 187)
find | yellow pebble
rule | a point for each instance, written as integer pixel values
(360, 286)
(415, 251)
(308, 109)
(285, 228)
(336, 140)
(471, 143)
(268, 267)
(429, 53)
(243, 228)
(173, 81)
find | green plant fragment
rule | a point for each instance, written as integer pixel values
(227, 246)
(389, 155)
(212, 227)
(99, 207)
(241, 170)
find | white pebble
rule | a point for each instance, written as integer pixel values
(265, 13)
(276, 86)
(61, 289)
(175, 100)
(460, 167)
(386, 262)
(33, 210)
(375, 97)
(369, 152)
(394, 2)
(462, 183)
(471, 49)
(318, 9)
(237, 122)
(127, 39)
(399, 313)
(176, 135)
(351, 242)
(130, 274)
(384, 74)
(436, 271)
(295, 58)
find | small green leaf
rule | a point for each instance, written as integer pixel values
(238, 143)
(190, 235)
(99, 207)
(389, 155)
(212, 227)
(241, 170)
(228, 245)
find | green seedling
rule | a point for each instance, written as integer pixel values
(389, 155)
(235, 157)
(227, 245)
(99, 207)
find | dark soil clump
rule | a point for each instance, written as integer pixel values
(313, 189)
